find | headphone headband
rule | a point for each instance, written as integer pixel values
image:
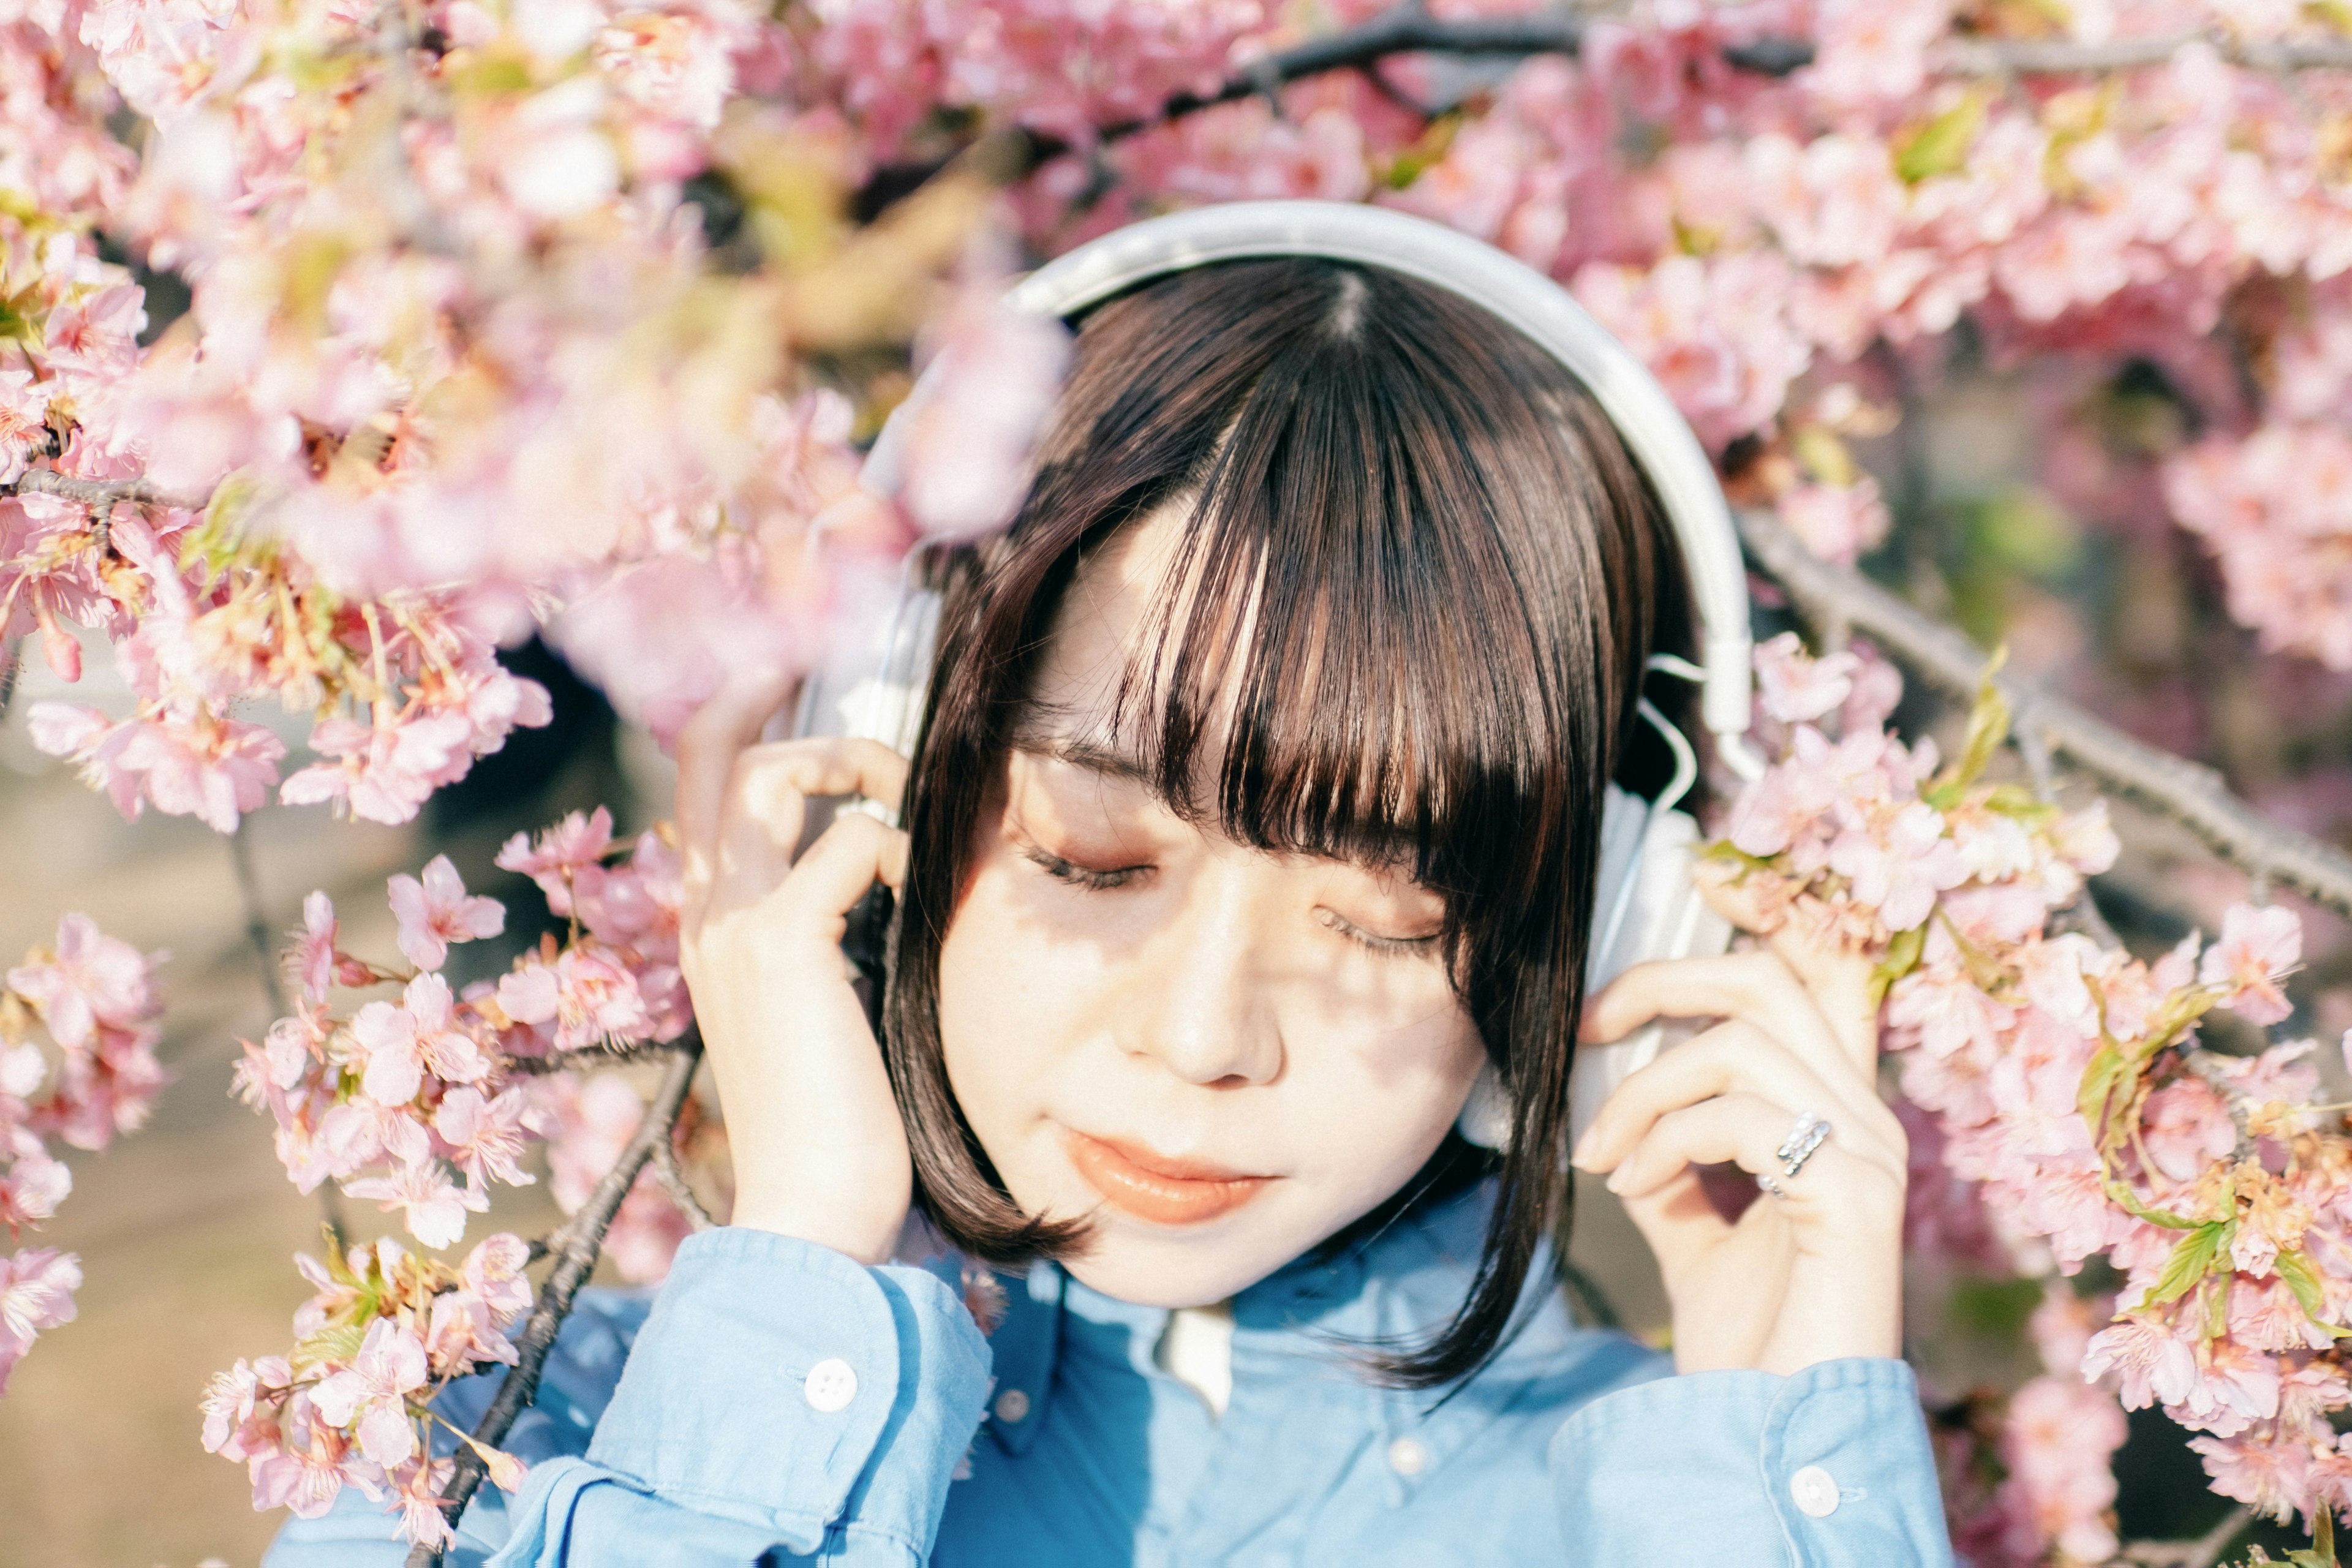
(1653, 428)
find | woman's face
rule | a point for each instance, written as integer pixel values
(1217, 1056)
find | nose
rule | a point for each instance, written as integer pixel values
(1203, 1013)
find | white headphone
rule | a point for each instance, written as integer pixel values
(1646, 906)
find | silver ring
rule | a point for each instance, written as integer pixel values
(1808, 1135)
(1770, 1185)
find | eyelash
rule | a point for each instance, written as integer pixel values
(1085, 877)
(1398, 946)
(1095, 881)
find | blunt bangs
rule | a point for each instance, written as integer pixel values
(1405, 623)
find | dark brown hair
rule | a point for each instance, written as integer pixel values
(1456, 572)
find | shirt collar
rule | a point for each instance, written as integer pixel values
(1298, 1323)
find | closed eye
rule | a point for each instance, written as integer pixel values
(1092, 878)
(1373, 940)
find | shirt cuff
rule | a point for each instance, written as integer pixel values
(1830, 1468)
(781, 1385)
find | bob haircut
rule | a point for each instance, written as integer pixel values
(1422, 576)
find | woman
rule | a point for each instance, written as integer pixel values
(1256, 812)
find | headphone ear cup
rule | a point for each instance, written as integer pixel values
(1664, 918)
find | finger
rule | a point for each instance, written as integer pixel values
(1735, 1057)
(1679, 1221)
(847, 859)
(1737, 897)
(1838, 981)
(828, 766)
(766, 805)
(1748, 1130)
(707, 749)
(1839, 977)
(1758, 986)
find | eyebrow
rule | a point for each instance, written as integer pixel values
(1095, 756)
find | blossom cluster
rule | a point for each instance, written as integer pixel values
(422, 1101)
(94, 998)
(2072, 1105)
(503, 314)
(385, 1331)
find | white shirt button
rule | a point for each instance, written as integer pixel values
(1407, 1457)
(829, 1385)
(1012, 1405)
(1815, 1491)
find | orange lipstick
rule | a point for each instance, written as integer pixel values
(1155, 1187)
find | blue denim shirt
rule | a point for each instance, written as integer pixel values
(776, 1400)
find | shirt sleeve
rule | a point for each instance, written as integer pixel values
(779, 1401)
(780, 1398)
(1828, 1468)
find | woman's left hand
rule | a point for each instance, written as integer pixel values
(1817, 1272)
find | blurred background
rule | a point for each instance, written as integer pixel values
(186, 1229)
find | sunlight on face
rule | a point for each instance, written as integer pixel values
(1218, 1056)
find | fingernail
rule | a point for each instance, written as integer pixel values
(1583, 1146)
(1616, 1182)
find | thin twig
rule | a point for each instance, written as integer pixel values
(590, 1057)
(2189, 793)
(257, 918)
(673, 1183)
(273, 986)
(2084, 915)
(2202, 1553)
(575, 1248)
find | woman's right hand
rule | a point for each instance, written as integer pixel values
(820, 1152)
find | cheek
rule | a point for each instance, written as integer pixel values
(1010, 999)
(1369, 1106)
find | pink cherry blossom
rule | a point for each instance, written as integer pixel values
(91, 983)
(493, 1272)
(388, 1053)
(1795, 688)
(239, 1423)
(2256, 946)
(556, 856)
(485, 1137)
(433, 1208)
(37, 1287)
(436, 911)
(2153, 1365)
(2272, 1477)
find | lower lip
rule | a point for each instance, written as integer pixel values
(1154, 1196)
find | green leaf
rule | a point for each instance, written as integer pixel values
(2017, 800)
(335, 1343)
(1988, 728)
(2126, 1199)
(1941, 145)
(2191, 1262)
(2099, 1079)
(2294, 1267)
(1902, 956)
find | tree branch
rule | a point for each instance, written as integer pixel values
(2188, 792)
(575, 1248)
(2066, 56)
(99, 493)
(1409, 28)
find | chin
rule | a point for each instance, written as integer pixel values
(1150, 1267)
